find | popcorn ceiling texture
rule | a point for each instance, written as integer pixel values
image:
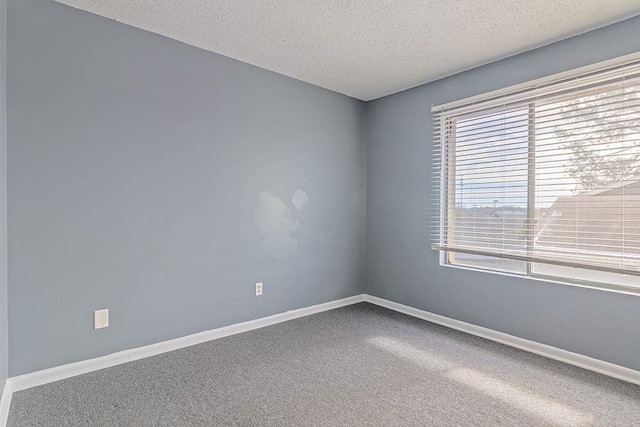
(365, 49)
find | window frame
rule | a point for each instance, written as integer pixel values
(447, 213)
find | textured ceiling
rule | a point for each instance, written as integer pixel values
(365, 48)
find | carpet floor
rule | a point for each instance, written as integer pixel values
(360, 365)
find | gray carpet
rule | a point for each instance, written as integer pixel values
(360, 365)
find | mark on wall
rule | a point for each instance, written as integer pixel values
(276, 223)
(299, 199)
(287, 234)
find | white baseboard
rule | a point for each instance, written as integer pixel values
(78, 368)
(5, 403)
(65, 371)
(586, 362)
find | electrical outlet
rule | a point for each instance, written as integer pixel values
(101, 319)
(258, 288)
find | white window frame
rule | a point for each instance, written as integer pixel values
(446, 190)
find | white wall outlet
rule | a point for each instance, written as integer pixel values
(101, 318)
(258, 288)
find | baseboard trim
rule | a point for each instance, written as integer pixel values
(5, 403)
(45, 376)
(586, 362)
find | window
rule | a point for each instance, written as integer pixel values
(544, 181)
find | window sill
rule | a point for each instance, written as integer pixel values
(620, 289)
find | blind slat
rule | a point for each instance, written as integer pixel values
(547, 174)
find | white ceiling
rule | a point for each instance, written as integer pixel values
(365, 48)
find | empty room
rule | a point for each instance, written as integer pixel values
(319, 213)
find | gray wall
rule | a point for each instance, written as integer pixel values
(4, 319)
(156, 179)
(402, 268)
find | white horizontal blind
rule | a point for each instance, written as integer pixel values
(549, 175)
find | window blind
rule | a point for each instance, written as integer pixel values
(548, 175)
